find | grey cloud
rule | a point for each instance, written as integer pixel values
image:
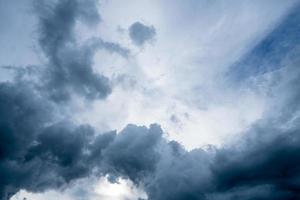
(21, 118)
(263, 164)
(37, 153)
(133, 153)
(70, 65)
(113, 48)
(44, 155)
(140, 33)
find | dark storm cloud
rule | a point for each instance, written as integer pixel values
(265, 164)
(133, 153)
(140, 33)
(70, 64)
(262, 164)
(21, 118)
(38, 153)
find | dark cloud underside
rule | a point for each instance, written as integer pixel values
(43, 155)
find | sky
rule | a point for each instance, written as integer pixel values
(149, 99)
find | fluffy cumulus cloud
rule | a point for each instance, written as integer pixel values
(44, 149)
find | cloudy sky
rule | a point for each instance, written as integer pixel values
(149, 99)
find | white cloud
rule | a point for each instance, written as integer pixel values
(88, 189)
(182, 72)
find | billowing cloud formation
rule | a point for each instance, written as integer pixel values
(39, 151)
(70, 64)
(140, 33)
(264, 164)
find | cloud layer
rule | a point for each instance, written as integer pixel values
(40, 149)
(43, 155)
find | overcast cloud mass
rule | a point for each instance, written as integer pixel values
(157, 100)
